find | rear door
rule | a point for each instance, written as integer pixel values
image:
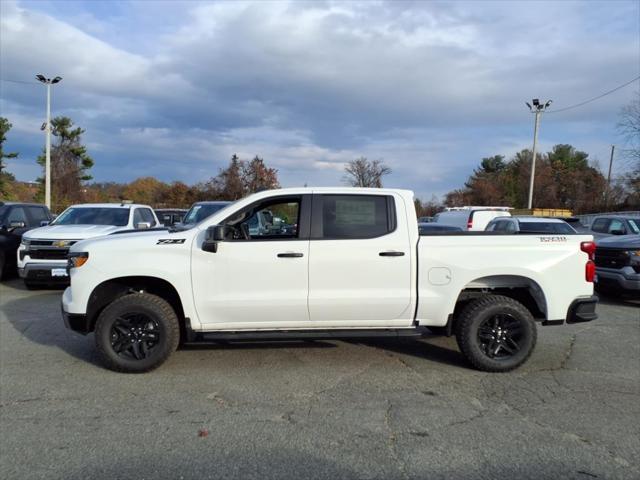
(359, 261)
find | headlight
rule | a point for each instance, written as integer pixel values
(634, 253)
(25, 242)
(77, 259)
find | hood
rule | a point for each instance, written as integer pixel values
(70, 232)
(131, 240)
(620, 241)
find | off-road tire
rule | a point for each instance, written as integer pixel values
(150, 306)
(482, 310)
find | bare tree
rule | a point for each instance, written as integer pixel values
(364, 173)
(629, 127)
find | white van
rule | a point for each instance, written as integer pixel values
(471, 218)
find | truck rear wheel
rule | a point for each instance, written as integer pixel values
(136, 333)
(496, 333)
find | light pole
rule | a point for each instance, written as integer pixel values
(47, 128)
(537, 108)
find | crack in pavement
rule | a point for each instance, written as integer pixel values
(392, 439)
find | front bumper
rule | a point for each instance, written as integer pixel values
(45, 273)
(73, 321)
(618, 278)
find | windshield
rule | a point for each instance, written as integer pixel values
(634, 223)
(118, 217)
(544, 227)
(197, 213)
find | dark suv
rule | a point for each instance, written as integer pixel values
(608, 225)
(618, 264)
(15, 219)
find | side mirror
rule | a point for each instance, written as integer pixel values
(617, 232)
(213, 235)
(17, 224)
(143, 225)
(44, 223)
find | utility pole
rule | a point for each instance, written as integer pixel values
(47, 128)
(606, 198)
(537, 108)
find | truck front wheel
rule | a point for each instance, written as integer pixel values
(496, 333)
(136, 333)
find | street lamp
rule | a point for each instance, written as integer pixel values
(47, 128)
(537, 108)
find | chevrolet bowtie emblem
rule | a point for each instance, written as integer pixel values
(61, 243)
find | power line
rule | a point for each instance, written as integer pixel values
(17, 81)
(594, 98)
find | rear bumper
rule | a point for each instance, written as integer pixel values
(582, 310)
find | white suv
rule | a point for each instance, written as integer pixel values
(42, 255)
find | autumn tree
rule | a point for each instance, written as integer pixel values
(147, 190)
(242, 178)
(365, 173)
(256, 176)
(5, 177)
(70, 163)
(564, 179)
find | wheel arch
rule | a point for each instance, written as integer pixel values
(107, 291)
(522, 289)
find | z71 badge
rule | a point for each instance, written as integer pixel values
(170, 241)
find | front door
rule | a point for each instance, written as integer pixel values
(359, 262)
(258, 278)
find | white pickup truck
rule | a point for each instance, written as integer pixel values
(347, 262)
(42, 254)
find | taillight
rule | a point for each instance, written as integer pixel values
(590, 269)
(469, 224)
(589, 248)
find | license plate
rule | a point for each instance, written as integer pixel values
(59, 272)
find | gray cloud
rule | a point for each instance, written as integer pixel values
(175, 89)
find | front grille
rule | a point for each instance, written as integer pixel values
(58, 254)
(612, 258)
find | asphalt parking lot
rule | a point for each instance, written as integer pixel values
(380, 409)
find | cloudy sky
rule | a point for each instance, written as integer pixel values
(173, 89)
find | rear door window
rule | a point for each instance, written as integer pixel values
(353, 216)
(17, 214)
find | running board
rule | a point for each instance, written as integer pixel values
(287, 335)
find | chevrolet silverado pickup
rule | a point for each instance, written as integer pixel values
(42, 254)
(347, 262)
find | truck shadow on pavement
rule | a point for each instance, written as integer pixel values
(36, 317)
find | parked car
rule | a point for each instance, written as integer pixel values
(618, 264)
(529, 224)
(471, 218)
(426, 228)
(16, 219)
(42, 254)
(356, 266)
(201, 210)
(608, 225)
(170, 216)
